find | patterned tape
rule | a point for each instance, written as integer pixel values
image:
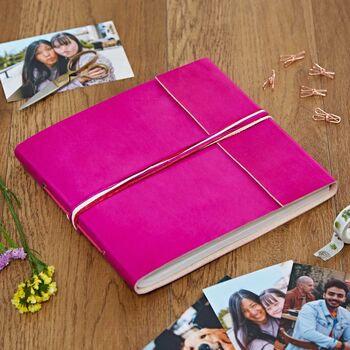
(341, 236)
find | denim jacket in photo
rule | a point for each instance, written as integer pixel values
(315, 324)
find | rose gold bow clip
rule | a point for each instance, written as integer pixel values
(306, 91)
(320, 114)
(270, 81)
(318, 70)
(289, 59)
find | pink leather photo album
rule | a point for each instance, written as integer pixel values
(174, 173)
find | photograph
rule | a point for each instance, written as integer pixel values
(250, 307)
(316, 313)
(197, 328)
(27, 66)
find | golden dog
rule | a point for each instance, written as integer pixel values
(208, 339)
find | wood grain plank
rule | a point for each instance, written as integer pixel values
(290, 29)
(8, 276)
(333, 52)
(94, 309)
(7, 33)
(245, 39)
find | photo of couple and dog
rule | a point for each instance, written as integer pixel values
(285, 306)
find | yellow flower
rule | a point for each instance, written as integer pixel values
(52, 288)
(15, 301)
(22, 309)
(33, 292)
(31, 299)
(34, 308)
(45, 278)
(50, 270)
(21, 293)
(45, 296)
(36, 282)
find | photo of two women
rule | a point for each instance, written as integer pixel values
(256, 318)
(250, 307)
(28, 65)
(46, 60)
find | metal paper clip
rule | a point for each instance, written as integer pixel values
(306, 91)
(289, 59)
(320, 114)
(318, 70)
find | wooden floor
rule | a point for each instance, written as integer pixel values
(94, 309)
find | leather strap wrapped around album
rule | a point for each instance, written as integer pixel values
(200, 205)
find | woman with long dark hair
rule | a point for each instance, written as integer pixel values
(41, 65)
(68, 45)
(253, 327)
(273, 301)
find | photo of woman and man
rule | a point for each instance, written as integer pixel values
(28, 65)
(316, 311)
(250, 307)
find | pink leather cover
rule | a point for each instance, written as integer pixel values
(186, 205)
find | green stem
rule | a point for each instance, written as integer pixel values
(11, 200)
(10, 242)
(2, 248)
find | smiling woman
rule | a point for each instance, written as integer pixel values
(273, 301)
(67, 45)
(253, 327)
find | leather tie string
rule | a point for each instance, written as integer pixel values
(150, 170)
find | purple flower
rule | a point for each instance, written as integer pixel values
(18, 253)
(11, 254)
(4, 260)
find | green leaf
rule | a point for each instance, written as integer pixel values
(333, 246)
(2, 248)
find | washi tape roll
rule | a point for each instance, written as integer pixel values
(341, 235)
(341, 225)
